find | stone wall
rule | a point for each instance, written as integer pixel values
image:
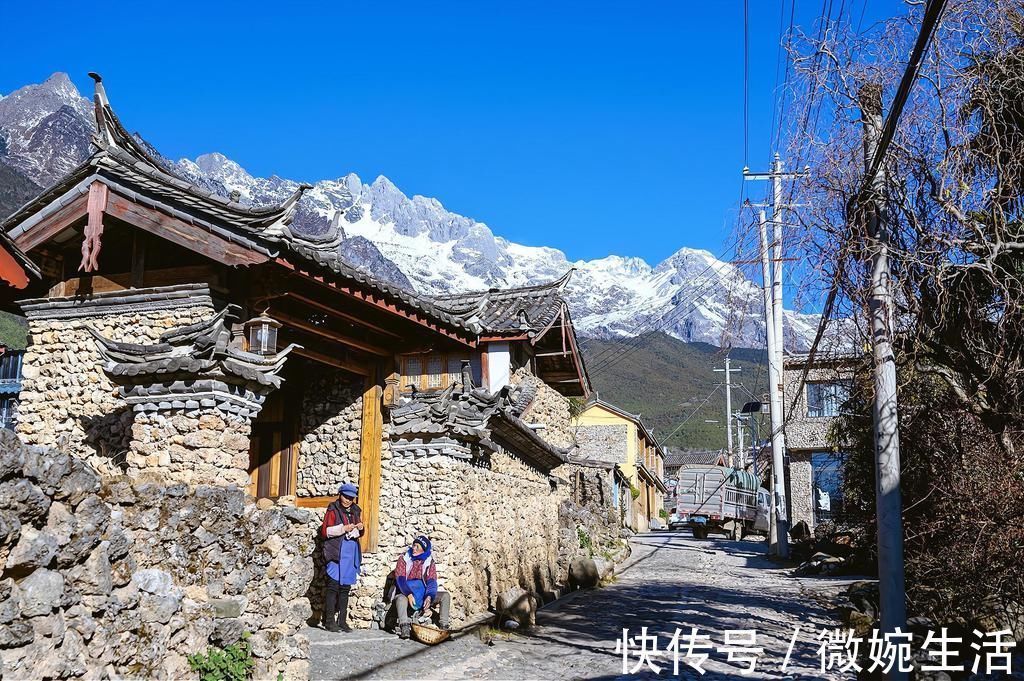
(800, 488)
(330, 425)
(549, 408)
(803, 431)
(67, 400)
(194, 447)
(603, 442)
(493, 527)
(123, 578)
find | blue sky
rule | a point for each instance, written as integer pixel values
(594, 127)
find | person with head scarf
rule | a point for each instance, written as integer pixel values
(416, 584)
(342, 526)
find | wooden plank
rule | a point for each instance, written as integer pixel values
(354, 367)
(138, 259)
(369, 466)
(335, 336)
(54, 224)
(188, 236)
(92, 244)
(331, 310)
(404, 311)
(88, 284)
(314, 502)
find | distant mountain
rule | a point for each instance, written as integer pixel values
(666, 381)
(416, 242)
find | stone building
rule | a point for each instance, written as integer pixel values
(813, 458)
(180, 337)
(607, 433)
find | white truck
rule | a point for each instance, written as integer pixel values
(721, 500)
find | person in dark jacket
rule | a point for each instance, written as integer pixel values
(416, 584)
(342, 526)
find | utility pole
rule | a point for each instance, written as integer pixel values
(728, 406)
(771, 269)
(742, 456)
(778, 530)
(888, 501)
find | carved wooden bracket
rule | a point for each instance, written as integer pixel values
(91, 245)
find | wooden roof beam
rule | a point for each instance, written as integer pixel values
(335, 312)
(53, 224)
(308, 327)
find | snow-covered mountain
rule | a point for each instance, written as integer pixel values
(416, 242)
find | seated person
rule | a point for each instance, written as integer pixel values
(416, 582)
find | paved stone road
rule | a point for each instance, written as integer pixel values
(672, 580)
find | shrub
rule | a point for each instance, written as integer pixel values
(634, 492)
(231, 663)
(585, 541)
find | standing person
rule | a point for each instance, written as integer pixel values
(342, 526)
(416, 582)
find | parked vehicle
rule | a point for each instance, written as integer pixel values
(721, 500)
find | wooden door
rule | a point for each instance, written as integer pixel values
(273, 453)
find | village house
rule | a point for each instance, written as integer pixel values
(180, 336)
(813, 458)
(607, 433)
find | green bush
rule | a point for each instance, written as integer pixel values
(585, 540)
(231, 663)
(663, 513)
(634, 492)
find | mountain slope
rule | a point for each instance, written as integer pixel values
(666, 380)
(415, 242)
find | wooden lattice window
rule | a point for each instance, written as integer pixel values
(431, 371)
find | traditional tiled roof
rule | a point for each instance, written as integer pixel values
(478, 417)
(197, 349)
(126, 167)
(525, 310)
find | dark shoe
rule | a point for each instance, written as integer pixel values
(343, 626)
(404, 630)
(332, 626)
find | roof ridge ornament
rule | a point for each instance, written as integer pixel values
(100, 105)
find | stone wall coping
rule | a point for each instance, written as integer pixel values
(116, 302)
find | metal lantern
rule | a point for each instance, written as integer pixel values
(262, 334)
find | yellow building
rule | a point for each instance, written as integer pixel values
(605, 432)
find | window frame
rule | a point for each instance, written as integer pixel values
(827, 405)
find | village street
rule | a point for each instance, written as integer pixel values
(671, 580)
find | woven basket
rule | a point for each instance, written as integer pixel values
(424, 633)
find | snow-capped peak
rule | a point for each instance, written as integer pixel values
(417, 242)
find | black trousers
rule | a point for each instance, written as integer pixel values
(335, 601)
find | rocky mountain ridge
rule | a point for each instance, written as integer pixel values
(415, 242)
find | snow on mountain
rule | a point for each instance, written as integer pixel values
(417, 243)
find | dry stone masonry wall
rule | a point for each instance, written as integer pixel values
(66, 397)
(331, 421)
(124, 578)
(549, 408)
(194, 446)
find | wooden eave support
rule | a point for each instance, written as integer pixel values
(308, 327)
(377, 301)
(192, 237)
(53, 224)
(334, 312)
(353, 367)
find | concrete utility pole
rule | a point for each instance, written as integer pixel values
(778, 535)
(778, 530)
(888, 501)
(728, 406)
